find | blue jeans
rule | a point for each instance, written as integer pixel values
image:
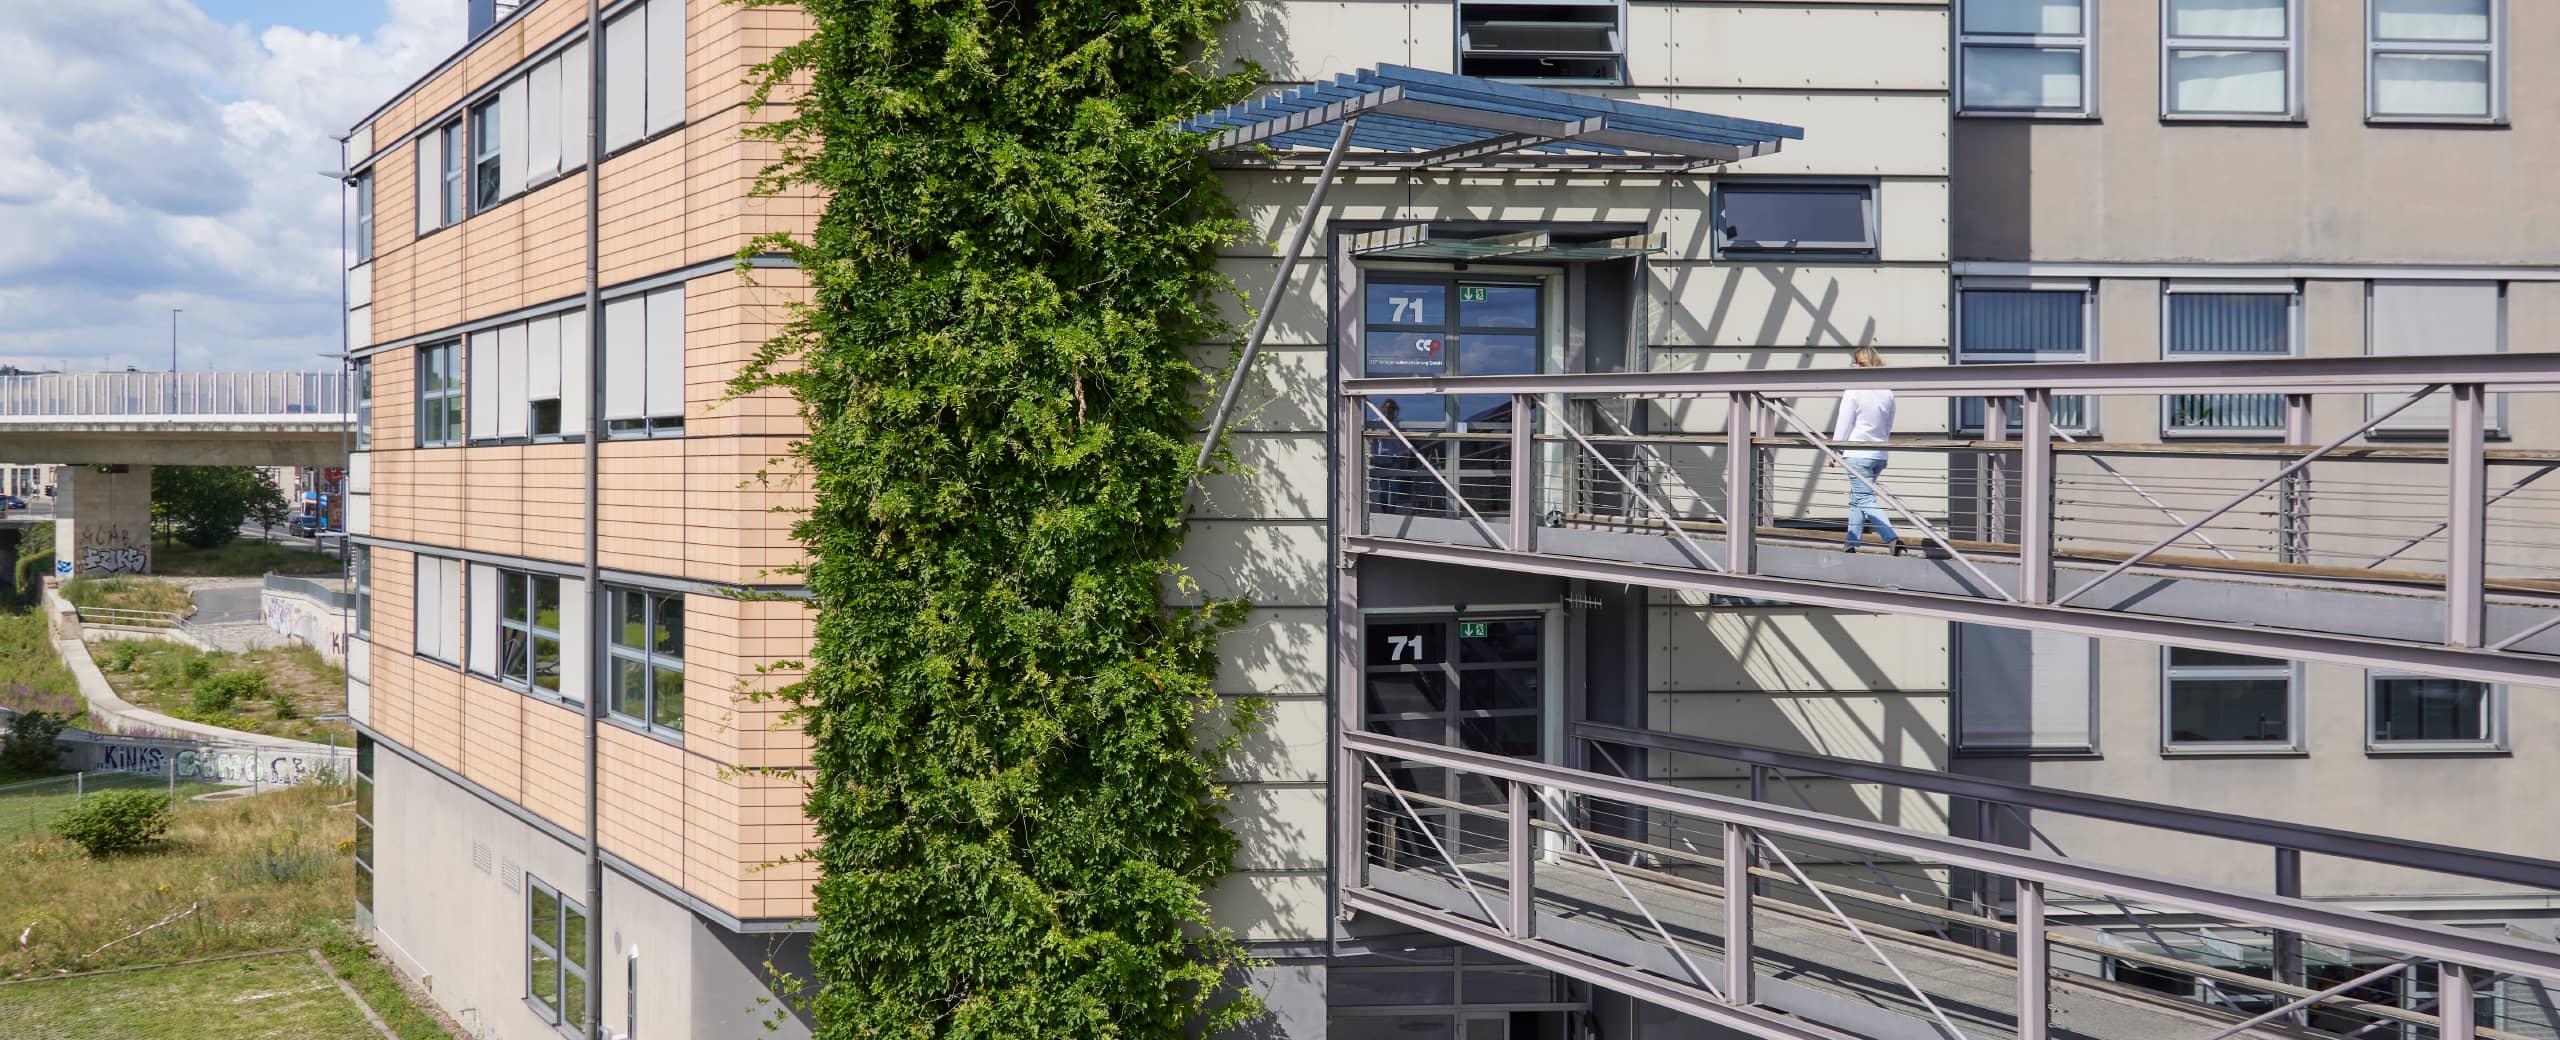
(1862, 502)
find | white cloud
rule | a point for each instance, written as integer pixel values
(152, 158)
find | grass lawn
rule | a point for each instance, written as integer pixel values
(293, 684)
(243, 558)
(281, 997)
(128, 594)
(32, 677)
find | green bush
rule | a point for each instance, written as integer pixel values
(195, 669)
(284, 705)
(35, 557)
(115, 822)
(227, 690)
(121, 655)
(30, 747)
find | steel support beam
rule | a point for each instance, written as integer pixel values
(2400, 935)
(2293, 543)
(1996, 471)
(1739, 851)
(2517, 372)
(1741, 488)
(2466, 518)
(2035, 976)
(1524, 471)
(2035, 499)
(2457, 1017)
(2288, 945)
(1523, 915)
(2362, 652)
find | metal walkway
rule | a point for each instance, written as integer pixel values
(1624, 883)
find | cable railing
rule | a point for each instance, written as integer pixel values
(317, 395)
(1726, 907)
(1641, 478)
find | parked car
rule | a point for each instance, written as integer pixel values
(309, 525)
(12, 502)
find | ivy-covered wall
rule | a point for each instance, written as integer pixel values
(1017, 821)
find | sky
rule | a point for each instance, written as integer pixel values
(159, 154)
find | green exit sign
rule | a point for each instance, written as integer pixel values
(1471, 294)
(1471, 630)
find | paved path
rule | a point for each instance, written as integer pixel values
(226, 604)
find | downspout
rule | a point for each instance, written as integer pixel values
(595, 434)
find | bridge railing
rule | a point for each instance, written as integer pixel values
(2342, 492)
(116, 394)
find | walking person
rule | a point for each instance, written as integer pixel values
(1866, 415)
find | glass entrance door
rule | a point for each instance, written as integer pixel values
(1465, 682)
(1428, 327)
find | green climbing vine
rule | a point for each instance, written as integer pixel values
(1017, 817)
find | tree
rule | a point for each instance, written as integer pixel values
(271, 507)
(205, 504)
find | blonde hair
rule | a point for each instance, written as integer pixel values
(1866, 357)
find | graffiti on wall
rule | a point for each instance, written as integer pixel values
(296, 617)
(108, 549)
(214, 764)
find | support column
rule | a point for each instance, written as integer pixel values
(2035, 499)
(1741, 486)
(102, 521)
(2034, 975)
(2456, 1014)
(2293, 533)
(2288, 945)
(2466, 518)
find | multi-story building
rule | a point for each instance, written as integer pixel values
(1604, 592)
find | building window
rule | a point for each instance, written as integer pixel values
(2024, 57)
(456, 179)
(2416, 319)
(643, 72)
(2229, 702)
(440, 395)
(364, 217)
(364, 822)
(525, 381)
(363, 373)
(645, 651)
(487, 160)
(2223, 320)
(2423, 713)
(1764, 218)
(2435, 60)
(555, 955)
(1574, 41)
(438, 603)
(644, 364)
(360, 576)
(526, 651)
(2004, 323)
(2231, 59)
(2023, 692)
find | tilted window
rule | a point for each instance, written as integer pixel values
(1572, 41)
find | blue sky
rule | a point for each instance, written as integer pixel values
(176, 161)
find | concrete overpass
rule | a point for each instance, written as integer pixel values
(108, 429)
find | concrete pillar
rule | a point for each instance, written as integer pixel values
(102, 521)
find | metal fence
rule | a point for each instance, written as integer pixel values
(317, 394)
(331, 592)
(31, 806)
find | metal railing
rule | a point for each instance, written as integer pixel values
(1745, 913)
(319, 395)
(2025, 526)
(129, 618)
(330, 592)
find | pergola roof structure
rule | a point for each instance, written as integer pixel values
(1403, 118)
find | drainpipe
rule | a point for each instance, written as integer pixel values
(595, 433)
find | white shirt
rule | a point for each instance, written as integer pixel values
(1865, 415)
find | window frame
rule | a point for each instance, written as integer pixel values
(649, 658)
(1816, 252)
(2401, 429)
(2087, 289)
(365, 848)
(446, 402)
(2494, 48)
(530, 630)
(2291, 289)
(360, 372)
(2289, 45)
(563, 431)
(558, 1015)
(647, 425)
(456, 172)
(364, 217)
(2170, 674)
(488, 154)
(2085, 42)
(2493, 725)
(360, 580)
(1618, 33)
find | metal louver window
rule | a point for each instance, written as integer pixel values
(1574, 41)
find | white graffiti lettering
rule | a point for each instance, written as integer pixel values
(118, 560)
